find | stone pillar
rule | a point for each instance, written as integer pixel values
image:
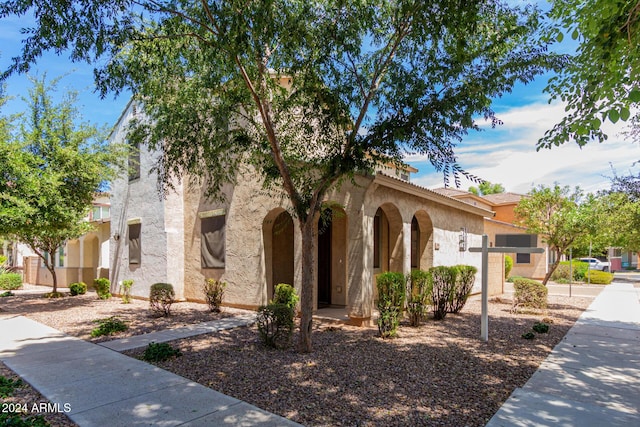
(360, 289)
(406, 246)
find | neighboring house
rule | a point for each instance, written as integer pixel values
(79, 260)
(377, 223)
(503, 231)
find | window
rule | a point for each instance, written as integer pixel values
(134, 243)
(415, 243)
(376, 240)
(212, 251)
(44, 259)
(61, 256)
(518, 241)
(134, 161)
(100, 212)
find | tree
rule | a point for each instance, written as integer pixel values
(486, 187)
(601, 81)
(50, 170)
(308, 93)
(557, 216)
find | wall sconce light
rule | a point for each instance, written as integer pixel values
(436, 246)
(116, 237)
(462, 241)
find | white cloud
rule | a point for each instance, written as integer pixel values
(508, 155)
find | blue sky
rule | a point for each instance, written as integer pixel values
(503, 155)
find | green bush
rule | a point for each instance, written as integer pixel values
(77, 288)
(465, 277)
(51, 295)
(598, 277)
(541, 327)
(514, 278)
(528, 335)
(7, 294)
(391, 295)
(10, 281)
(109, 326)
(8, 386)
(285, 294)
(213, 292)
(578, 268)
(508, 265)
(561, 273)
(444, 282)
(530, 294)
(159, 352)
(275, 324)
(161, 297)
(126, 291)
(419, 295)
(103, 287)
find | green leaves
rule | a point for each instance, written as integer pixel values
(50, 171)
(601, 79)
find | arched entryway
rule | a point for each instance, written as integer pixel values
(421, 241)
(331, 259)
(388, 250)
(278, 235)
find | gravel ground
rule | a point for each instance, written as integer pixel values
(439, 374)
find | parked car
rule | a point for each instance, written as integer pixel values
(596, 264)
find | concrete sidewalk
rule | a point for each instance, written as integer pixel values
(592, 377)
(101, 387)
(166, 335)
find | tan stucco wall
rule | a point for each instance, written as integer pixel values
(536, 269)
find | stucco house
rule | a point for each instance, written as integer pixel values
(502, 230)
(380, 222)
(78, 260)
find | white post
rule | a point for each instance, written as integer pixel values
(484, 324)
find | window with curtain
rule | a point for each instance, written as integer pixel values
(134, 243)
(212, 250)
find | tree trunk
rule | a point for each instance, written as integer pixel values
(306, 294)
(552, 268)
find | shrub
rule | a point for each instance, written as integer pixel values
(161, 296)
(528, 335)
(419, 294)
(275, 324)
(541, 327)
(213, 292)
(578, 268)
(159, 352)
(514, 278)
(508, 265)
(77, 288)
(109, 326)
(391, 295)
(561, 273)
(598, 277)
(7, 294)
(53, 295)
(10, 281)
(8, 386)
(126, 291)
(103, 287)
(465, 277)
(285, 294)
(444, 282)
(529, 293)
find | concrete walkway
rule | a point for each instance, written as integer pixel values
(166, 335)
(592, 377)
(102, 387)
